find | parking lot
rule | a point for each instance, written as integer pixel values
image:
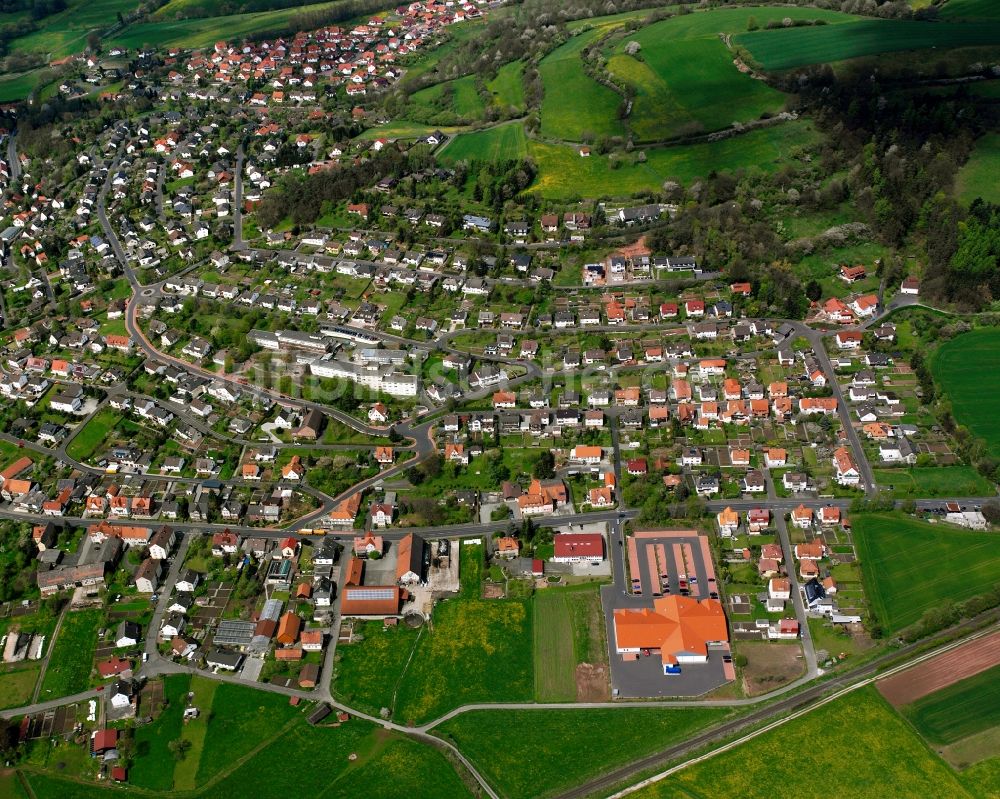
(682, 555)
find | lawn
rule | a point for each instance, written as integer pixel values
(797, 47)
(563, 174)
(232, 721)
(429, 59)
(93, 435)
(868, 752)
(967, 371)
(18, 685)
(368, 671)
(977, 178)
(910, 567)
(575, 106)
(960, 710)
(476, 650)
(684, 77)
(499, 143)
(935, 481)
(72, 656)
(547, 751)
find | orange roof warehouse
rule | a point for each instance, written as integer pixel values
(671, 622)
(677, 628)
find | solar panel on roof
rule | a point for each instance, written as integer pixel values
(373, 593)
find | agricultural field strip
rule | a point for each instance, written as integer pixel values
(726, 747)
(957, 711)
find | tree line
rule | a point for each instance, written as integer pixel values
(303, 197)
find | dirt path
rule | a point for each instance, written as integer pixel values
(48, 654)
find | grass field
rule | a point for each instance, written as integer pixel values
(428, 60)
(980, 752)
(684, 77)
(368, 671)
(385, 765)
(492, 144)
(203, 32)
(563, 174)
(568, 631)
(475, 651)
(72, 655)
(868, 752)
(149, 769)
(244, 717)
(977, 177)
(232, 721)
(935, 481)
(507, 87)
(575, 106)
(174, 8)
(970, 10)
(18, 685)
(796, 47)
(967, 371)
(909, 566)
(465, 100)
(546, 751)
(555, 663)
(960, 710)
(66, 32)
(94, 434)
(10, 785)
(17, 87)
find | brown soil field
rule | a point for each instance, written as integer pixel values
(592, 683)
(940, 672)
(769, 666)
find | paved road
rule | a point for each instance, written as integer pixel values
(166, 589)
(808, 650)
(238, 243)
(13, 162)
(815, 338)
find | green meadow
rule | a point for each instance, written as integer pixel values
(575, 106)
(967, 371)
(797, 47)
(867, 752)
(563, 174)
(909, 566)
(492, 144)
